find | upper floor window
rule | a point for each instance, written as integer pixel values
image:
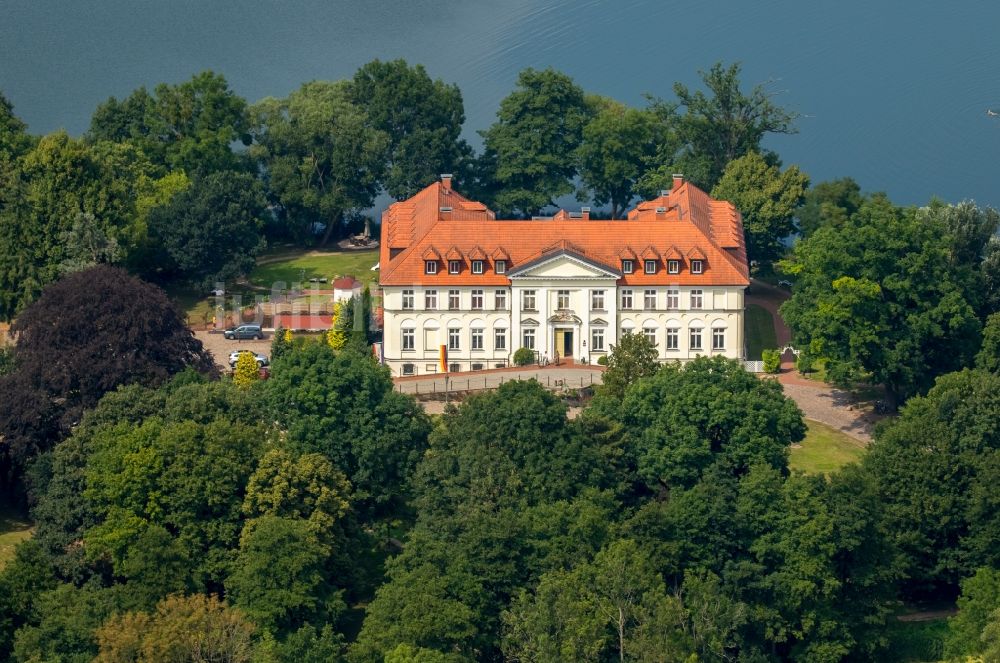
(499, 338)
(649, 300)
(430, 299)
(477, 266)
(407, 299)
(408, 339)
(454, 338)
(430, 267)
(477, 300)
(454, 299)
(528, 300)
(650, 266)
(673, 298)
(500, 300)
(500, 266)
(697, 266)
(562, 299)
(597, 300)
(626, 299)
(695, 338)
(673, 338)
(696, 299)
(650, 334)
(477, 339)
(453, 266)
(718, 338)
(673, 266)
(627, 266)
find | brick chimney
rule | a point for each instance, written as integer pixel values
(446, 181)
(678, 180)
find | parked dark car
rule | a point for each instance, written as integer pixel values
(244, 332)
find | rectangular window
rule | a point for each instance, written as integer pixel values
(500, 266)
(529, 339)
(650, 266)
(673, 266)
(673, 338)
(409, 339)
(477, 339)
(430, 299)
(649, 300)
(407, 299)
(650, 334)
(454, 368)
(454, 338)
(430, 267)
(596, 300)
(499, 339)
(673, 298)
(562, 299)
(454, 300)
(477, 300)
(696, 299)
(696, 266)
(528, 300)
(696, 338)
(627, 266)
(409, 369)
(453, 266)
(597, 340)
(626, 299)
(718, 338)
(500, 300)
(477, 266)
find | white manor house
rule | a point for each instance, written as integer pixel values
(565, 286)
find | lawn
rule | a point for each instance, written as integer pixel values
(14, 528)
(759, 327)
(824, 450)
(299, 267)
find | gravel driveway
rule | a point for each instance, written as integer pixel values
(220, 347)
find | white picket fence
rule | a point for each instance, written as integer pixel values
(754, 366)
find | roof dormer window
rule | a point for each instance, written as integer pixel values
(430, 267)
(454, 266)
(697, 266)
(650, 266)
(673, 266)
(628, 266)
(500, 266)
(477, 266)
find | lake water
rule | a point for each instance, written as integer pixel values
(892, 93)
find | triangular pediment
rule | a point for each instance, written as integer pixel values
(564, 265)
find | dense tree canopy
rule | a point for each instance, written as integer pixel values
(422, 117)
(212, 231)
(828, 203)
(767, 199)
(881, 299)
(532, 144)
(322, 154)
(87, 334)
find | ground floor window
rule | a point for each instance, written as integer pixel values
(477, 367)
(718, 338)
(409, 369)
(454, 368)
(499, 339)
(650, 334)
(597, 340)
(696, 338)
(673, 338)
(529, 339)
(409, 340)
(477, 339)
(430, 368)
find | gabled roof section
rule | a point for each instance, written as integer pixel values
(649, 253)
(676, 222)
(453, 253)
(696, 253)
(553, 256)
(477, 253)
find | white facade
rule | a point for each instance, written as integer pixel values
(563, 306)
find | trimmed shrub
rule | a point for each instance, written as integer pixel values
(804, 363)
(603, 360)
(524, 356)
(772, 361)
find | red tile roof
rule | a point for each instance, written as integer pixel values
(683, 222)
